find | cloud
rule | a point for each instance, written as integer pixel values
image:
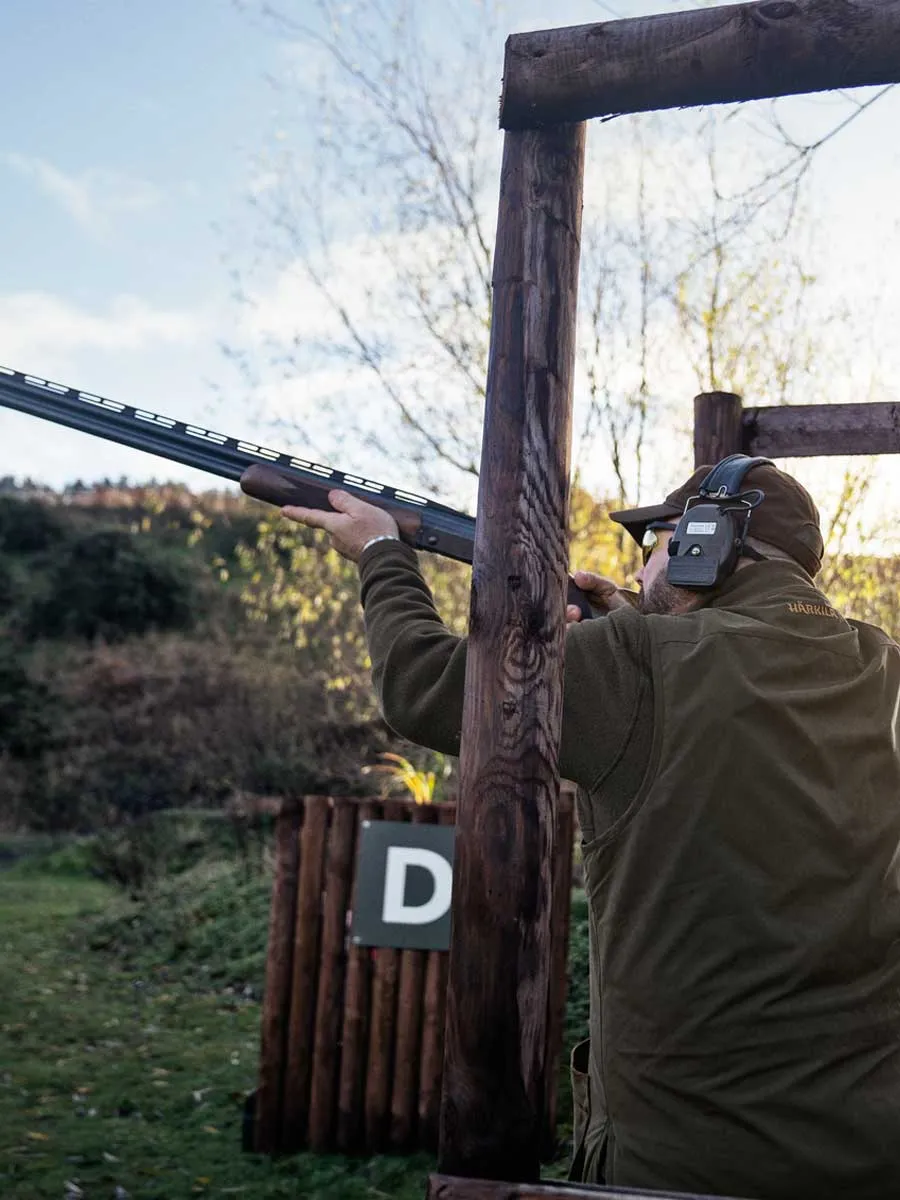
(34, 325)
(93, 198)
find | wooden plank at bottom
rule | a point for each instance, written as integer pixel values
(451, 1187)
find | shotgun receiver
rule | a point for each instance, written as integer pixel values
(264, 474)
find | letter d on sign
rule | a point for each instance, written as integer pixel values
(396, 911)
(404, 885)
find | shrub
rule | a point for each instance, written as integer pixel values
(28, 526)
(111, 583)
(28, 708)
(169, 722)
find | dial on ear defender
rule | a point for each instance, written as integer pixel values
(712, 530)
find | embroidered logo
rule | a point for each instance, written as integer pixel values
(813, 610)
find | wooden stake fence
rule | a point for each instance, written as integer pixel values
(353, 1037)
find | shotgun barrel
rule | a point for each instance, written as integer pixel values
(269, 475)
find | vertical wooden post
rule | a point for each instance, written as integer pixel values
(407, 1044)
(431, 1063)
(382, 1033)
(355, 1027)
(718, 428)
(496, 1031)
(279, 970)
(304, 981)
(326, 1034)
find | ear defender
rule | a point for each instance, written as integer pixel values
(712, 532)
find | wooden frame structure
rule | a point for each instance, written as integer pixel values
(495, 1040)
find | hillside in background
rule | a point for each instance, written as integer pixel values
(162, 649)
(136, 675)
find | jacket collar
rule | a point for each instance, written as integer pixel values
(763, 582)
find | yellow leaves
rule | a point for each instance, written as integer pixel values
(595, 543)
(399, 770)
(35, 1136)
(210, 1129)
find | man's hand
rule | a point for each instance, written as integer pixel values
(603, 595)
(350, 527)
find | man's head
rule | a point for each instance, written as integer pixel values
(785, 524)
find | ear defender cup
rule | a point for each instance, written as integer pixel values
(712, 530)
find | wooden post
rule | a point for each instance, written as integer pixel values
(496, 1029)
(433, 1012)
(405, 1085)
(718, 429)
(354, 1031)
(711, 55)
(382, 1032)
(326, 1035)
(277, 994)
(304, 975)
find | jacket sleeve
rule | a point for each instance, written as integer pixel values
(418, 669)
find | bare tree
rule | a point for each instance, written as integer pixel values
(693, 273)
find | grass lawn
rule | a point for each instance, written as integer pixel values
(117, 1075)
(129, 1038)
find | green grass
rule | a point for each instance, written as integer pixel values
(119, 1070)
(129, 1036)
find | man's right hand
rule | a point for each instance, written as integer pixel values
(603, 595)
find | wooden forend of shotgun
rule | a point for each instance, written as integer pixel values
(423, 524)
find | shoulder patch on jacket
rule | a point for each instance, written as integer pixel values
(814, 610)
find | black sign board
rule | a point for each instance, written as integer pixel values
(404, 882)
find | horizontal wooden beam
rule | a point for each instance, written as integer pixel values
(813, 430)
(448, 1187)
(713, 55)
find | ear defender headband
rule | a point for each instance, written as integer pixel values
(711, 535)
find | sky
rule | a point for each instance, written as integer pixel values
(129, 143)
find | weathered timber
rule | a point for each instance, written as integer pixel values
(441, 1187)
(718, 430)
(277, 994)
(405, 1085)
(810, 430)
(559, 937)
(332, 961)
(714, 55)
(354, 1033)
(306, 951)
(431, 1062)
(496, 1029)
(382, 1033)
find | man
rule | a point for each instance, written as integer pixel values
(736, 752)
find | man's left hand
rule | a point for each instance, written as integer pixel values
(352, 524)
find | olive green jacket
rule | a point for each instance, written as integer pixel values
(739, 801)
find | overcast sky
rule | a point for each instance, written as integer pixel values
(127, 149)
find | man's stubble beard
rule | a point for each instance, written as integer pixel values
(662, 599)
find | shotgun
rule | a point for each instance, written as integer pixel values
(269, 475)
